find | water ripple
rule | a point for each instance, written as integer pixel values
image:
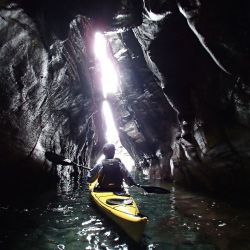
(177, 221)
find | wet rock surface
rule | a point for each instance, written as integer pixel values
(210, 152)
(46, 98)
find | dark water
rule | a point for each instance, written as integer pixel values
(66, 219)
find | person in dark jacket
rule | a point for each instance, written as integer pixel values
(111, 172)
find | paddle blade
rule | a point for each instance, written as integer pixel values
(57, 159)
(156, 190)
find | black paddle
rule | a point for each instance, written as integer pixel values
(58, 159)
(153, 189)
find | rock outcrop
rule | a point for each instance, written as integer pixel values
(203, 73)
(183, 99)
(46, 98)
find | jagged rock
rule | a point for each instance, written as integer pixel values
(46, 102)
(144, 117)
(184, 90)
(206, 99)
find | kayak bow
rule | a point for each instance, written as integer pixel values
(122, 210)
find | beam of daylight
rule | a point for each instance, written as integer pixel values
(111, 133)
(109, 80)
(109, 76)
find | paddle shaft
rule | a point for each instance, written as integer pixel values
(80, 166)
(58, 159)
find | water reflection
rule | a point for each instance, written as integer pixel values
(67, 219)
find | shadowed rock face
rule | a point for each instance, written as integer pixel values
(48, 100)
(201, 71)
(147, 123)
(54, 16)
(46, 97)
(184, 87)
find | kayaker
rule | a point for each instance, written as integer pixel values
(111, 172)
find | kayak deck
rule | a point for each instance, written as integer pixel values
(122, 209)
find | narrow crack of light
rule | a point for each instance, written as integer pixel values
(110, 80)
(100, 46)
(111, 133)
(109, 75)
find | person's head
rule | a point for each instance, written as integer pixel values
(109, 150)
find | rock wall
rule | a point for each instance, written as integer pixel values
(49, 102)
(199, 53)
(46, 99)
(147, 123)
(184, 91)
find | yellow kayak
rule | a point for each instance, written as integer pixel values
(121, 209)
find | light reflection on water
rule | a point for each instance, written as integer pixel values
(68, 220)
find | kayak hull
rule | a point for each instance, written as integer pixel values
(122, 210)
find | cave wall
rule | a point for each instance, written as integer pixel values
(184, 91)
(199, 53)
(146, 122)
(49, 102)
(46, 99)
